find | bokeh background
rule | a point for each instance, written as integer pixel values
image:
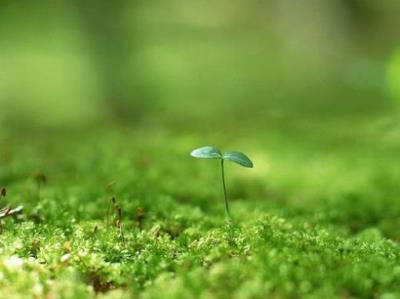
(199, 64)
(93, 92)
(107, 98)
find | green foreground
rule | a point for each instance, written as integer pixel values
(310, 220)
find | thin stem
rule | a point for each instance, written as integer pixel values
(227, 214)
(39, 185)
(108, 214)
(121, 230)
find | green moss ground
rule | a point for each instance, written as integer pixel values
(318, 216)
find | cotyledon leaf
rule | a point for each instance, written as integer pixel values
(207, 152)
(238, 158)
(210, 152)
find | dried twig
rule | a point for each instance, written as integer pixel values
(10, 212)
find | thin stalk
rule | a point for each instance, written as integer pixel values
(111, 204)
(108, 214)
(39, 186)
(227, 214)
(121, 230)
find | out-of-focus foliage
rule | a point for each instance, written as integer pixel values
(393, 77)
(69, 63)
(107, 98)
(308, 221)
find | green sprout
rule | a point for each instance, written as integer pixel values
(210, 152)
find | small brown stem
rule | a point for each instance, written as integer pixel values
(10, 212)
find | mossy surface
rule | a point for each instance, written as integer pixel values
(309, 221)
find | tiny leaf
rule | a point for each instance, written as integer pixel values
(238, 158)
(207, 152)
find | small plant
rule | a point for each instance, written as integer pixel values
(210, 152)
(117, 217)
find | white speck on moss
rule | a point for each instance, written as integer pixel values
(37, 289)
(65, 258)
(13, 263)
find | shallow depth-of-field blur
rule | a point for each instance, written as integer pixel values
(107, 99)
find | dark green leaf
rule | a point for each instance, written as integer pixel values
(207, 152)
(238, 158)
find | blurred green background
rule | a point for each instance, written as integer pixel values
(201, 64)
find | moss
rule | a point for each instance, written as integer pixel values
(288, 239)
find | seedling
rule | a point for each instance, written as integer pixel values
(210, 152)
(117, 218)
